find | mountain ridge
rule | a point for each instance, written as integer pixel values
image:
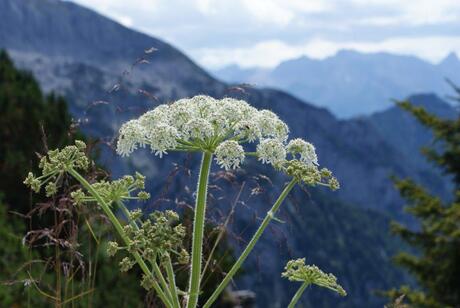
(351, 83)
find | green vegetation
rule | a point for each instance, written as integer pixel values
(30, 122)
(12, 256)
(436, 262)
(62, 260)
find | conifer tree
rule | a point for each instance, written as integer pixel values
(435, 262)
(29, 120)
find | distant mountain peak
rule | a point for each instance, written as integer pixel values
(300, 59)
(352, 82)
(450, 59)
(347, 52)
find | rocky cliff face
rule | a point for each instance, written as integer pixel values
(89, 59)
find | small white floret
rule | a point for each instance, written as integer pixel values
(229, 154)
(248, 130)
(198, 128)
(271, 126)
(271, 151)
(305, 149)
(163, 137)
(131, 135)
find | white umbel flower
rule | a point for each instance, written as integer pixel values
(181, 112)
(161, 138)
(220, 124)
(265, 119)
(247, 130)
(131, 134)
(202, 123)
(271, 151)
(305, 149)
(198, 128)
(232, 109)
(150, 119)
(271, 126)
(229, 154)
(280, 130)
(203, 105)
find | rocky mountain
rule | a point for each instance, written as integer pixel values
(351, 83)
(110, 73)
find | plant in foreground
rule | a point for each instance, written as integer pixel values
(215, 128)
(296, 270)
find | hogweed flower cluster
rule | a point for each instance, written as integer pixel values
(202, 123)
(115, 191)
(153, 238)
(158, 236)
(310, 174)
(296, 270)
(219, 128)
(304, 149)
(55, 164)
(229, 154)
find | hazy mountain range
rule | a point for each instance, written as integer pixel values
(90, 60)
(351, 83)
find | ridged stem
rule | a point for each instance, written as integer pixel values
(172, 281)
(270, 215)
(198, 230)
(298, 294)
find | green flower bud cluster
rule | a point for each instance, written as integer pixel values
(147, 282)
(310, 174)
(55, 164)
(153, 238)
(126, 264)
(115, 191)
(296, 270)
(112, 248)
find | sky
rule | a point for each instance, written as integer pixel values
(263, 33)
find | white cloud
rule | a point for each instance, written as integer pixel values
(282, 12)
(124, 20)
(269, 11)
(268, 53)
(206, 6)
(265, 32)
(413, 12)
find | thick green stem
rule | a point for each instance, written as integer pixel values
(118, 227)
(172, 281)
(198, 230)
(270, 215)
(298, 294)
